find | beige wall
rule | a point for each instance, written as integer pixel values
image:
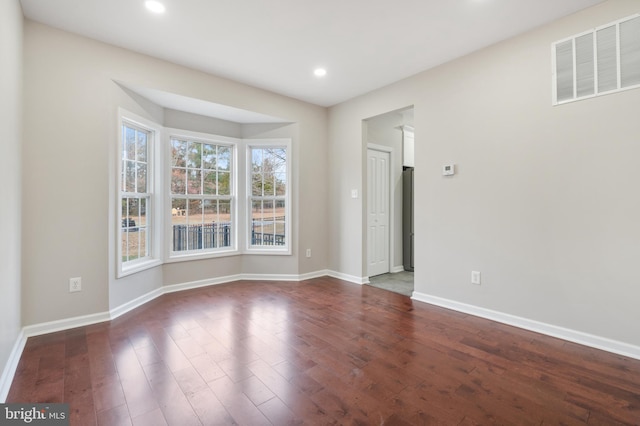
(10, 146)
(545, 201)
(71, 104)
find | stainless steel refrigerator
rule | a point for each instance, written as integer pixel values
(407, 218)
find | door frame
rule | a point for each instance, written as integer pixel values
(391, 198)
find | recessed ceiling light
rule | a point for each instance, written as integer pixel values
(320, 72)
(155, 6)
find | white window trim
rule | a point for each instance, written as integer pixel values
(155, 222)
(271, 250)
(236, 144)
(594, 31)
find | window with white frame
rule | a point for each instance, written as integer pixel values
(202, 196)
(599, 61)
(269, 193)
(135, 195)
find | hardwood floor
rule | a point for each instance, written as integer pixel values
(321, 351)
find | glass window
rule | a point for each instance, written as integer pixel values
(268, 206)
(135, 195)
(202, 199)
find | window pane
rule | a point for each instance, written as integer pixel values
(141, 174)
(179, 223)
(256, 184)
(178, 153)
(124, 245)
(130, 178)
(134, 213)
(224, 158)
(268, 209)
(178, 181)
(129, 143)
(142, 219)
(224, 211)
(268, 233)
(195, 155)
(269, 184)
(281, 184)
(194, 222)
(210, 210)
(194, 183)
(209, 181)
(256, 160)
(280, 237)
(132, 244)
(142, 243)
(208, 156)
(141, 149)
(256, 223)
(123, 176)
(224, 183)
(277, 159)
(280, 223)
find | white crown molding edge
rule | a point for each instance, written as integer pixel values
(586, 339)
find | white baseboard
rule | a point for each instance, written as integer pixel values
(350, 278)
(201, 283)
(65, 324)
(135, 303)
(270, 277)
(11, 366)
(397, 269)
(586, 339)
(312, 275)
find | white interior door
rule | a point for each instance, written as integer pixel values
(378, 220)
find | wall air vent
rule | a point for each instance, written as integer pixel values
(597, 62)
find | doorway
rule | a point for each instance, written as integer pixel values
(388, 155)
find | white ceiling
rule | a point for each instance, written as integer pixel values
(275, 45)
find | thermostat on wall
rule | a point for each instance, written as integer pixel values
(448, 170)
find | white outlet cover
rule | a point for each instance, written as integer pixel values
(75, 284)
(475, 277)
(448, 170)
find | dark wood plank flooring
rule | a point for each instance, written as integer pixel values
(321, 351)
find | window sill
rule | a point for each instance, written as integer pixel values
(268, 252)
(173, 258)
(136, 267)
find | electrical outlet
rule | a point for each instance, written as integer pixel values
(75, 284)
(308, 252)
(475, 277)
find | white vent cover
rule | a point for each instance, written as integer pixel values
(596, 62)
